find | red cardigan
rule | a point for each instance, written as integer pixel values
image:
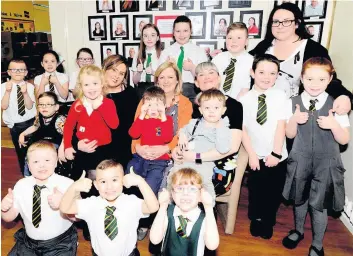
(94, 127)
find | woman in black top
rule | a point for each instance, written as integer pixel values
(98, 30)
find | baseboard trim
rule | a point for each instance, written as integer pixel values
(344, 218)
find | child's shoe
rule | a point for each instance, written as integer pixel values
(290, 243)
(314, 251)
(256, 228)
(267, 231)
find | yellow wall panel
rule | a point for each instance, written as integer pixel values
(41, 19)
(22, 10)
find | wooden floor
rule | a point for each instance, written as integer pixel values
(338, 240)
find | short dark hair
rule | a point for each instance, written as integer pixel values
(180, 19)
(109, 49)
(154, 92)
(86, 50)
(17, 60)
(50, 95)
(265, 57)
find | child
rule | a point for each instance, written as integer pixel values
(204, 134)
(37, 198)
(84, 58)
(315, 171)
(185, 54)
(235, 64)
(153, 128)
(184, 228)
(17, 103)
(146, 62)
(264, 139)
(93, 115)
(53, 79)
(112, 216)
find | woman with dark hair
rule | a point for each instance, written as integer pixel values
(252, 28)
(287, 39)
(222, 27)
(98, 31)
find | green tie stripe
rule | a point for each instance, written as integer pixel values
(181, 59)
(181, 230)
(261, 117)
(20, 102)
(110, 223)
(149, 60)
(36, 206)
(229, 75)
(312, 107)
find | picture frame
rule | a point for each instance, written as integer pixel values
(139, 21)
(317, 12)
(156, 5)
(253, 21)
(210, 4)
(127, 53)
(129, 6)
(119, 27)
(97, 28)
(165, 25)
(183, 4)
(208, 46)
(239, 3)
(198, 21)
(105, 6)
(315, 28)
(108, 49)
(219, 24)
(279, 2)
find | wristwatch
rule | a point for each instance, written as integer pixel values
(276, 155)
(198, 158)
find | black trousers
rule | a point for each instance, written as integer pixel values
(63, 245)
(15, 132)
(265, 192)
(135, 252)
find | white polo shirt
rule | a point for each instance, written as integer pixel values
(191, 51)
(262, 137)
(10, 115)
(154, 64)
(63, 78)
(72, 84)
(128, 213)
(241, 78)
(53, 223)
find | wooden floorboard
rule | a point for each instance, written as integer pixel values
(338, 241)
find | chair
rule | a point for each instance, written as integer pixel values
(228, 203)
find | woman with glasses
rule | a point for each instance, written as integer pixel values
(288, 40)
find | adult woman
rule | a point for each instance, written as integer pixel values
(287, 39)
(98, 30)
(119, 30)
(252, 28)
(222, 27)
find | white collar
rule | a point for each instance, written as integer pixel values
(20, 83)
(103, 203)
(184, 45)
(257, 93)
(87, 105)
(151, 51)
(192, 215)
(49, 184)
(47, 74)
(320, 98)
(236, 57)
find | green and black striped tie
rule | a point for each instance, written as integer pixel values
(181, 231)
(20, 102)
(312, 107)
(36, 207)
(110, 223)
(229, 75)
(261, 117)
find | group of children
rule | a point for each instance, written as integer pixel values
(311, 174)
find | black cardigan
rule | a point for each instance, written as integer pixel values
(312, 49)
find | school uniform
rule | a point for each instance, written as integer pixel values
(127, 213)
(193, 244)
(63, 78)
(16, 122)
(55, 234)
(144, 83)
(266, 185)
(241, 78)
(191, 51)
(72, 85)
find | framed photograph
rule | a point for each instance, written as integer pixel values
(315, 29)
(198, 21)
(129, 5)
(314, 9)
(219, 24)
(139, 21)
(156, 5)
(119, 27)
(108, 49)
(239, 4)
(253, 20)
(210, 4)
(104, 6)
(97, 28)
(165, 25)
(208, 46)
(279, 2)
(183, 4)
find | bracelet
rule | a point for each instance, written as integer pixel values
(276, 155)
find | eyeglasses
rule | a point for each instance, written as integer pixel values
(189, 189)
(45, 105)
(285, 23)
(15, 70)
(85, 59)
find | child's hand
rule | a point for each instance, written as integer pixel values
(131, 179)
(21, 140)
(144, 110)
(206, 199)
(97, 102)
(83, 184)
(188, 65)
(140, 66)
(61, 153)
(300, 117)
(69, 153)
(327, 122)
(161, 110)
(254, 162)
(55, 199)
(149, 69)
(7, 201)
(24, 88)
(183, 141)
(271, 161)
(164, 198)
(53, 79)
(171, 59)
(214, 53)
(45, 80)
(8, 86)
